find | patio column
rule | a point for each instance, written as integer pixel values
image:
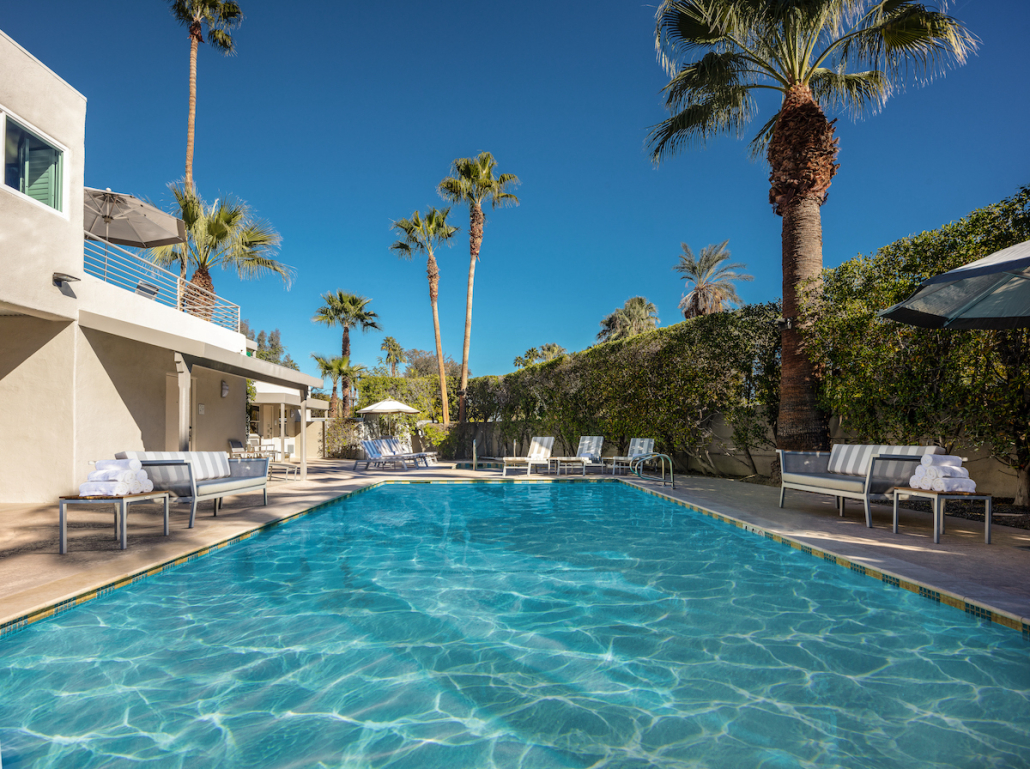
(182, 370)
(304, 440)
(282, 430)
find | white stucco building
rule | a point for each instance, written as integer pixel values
(94, 359)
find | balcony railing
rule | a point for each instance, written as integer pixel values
(120, 267)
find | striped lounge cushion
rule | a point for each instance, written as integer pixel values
(206, 464)
(853, 459)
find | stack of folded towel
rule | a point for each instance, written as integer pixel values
(116, 478)
(942, 472)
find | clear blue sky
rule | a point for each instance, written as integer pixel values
(332, 126)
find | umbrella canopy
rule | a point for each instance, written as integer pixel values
(990, 293)
(389, 406)
(128, 221)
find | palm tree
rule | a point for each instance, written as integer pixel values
(473, 182)
(423, 235)
(225, 235)
(347, 311)
(635, 317)
(350, 375)
(220, 17)
(713, 281)
(395, 354)
(851, 54)
(331, 368)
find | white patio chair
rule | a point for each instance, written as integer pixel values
(539, 454)
(638, 447)
(588, 453)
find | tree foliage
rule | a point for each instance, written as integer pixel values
(635, 317)
(890, 382)
(544, 353)
(422, 363)
(670, 384)
(712, 279)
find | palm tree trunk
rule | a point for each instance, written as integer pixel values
(801, 426)
(199, 297)
(475, 242)
(344, 397)
(345, 344)
(434, 284)
(195, 38)
(801, 158)
(334, 404)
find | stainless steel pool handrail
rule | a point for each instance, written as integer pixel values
(636, 464)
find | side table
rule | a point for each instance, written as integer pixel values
(121, 505)
(938, 499)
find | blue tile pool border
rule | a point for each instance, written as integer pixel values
(975, 609)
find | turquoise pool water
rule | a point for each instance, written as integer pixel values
(513, 625)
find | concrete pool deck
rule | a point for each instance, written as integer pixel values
(34, 577)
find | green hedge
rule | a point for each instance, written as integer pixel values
(669, 384)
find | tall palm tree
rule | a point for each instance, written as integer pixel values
(842, 54)
(350, 375)
(635, 317)
(220, 17)
(473, 182)
(423, 235)
(333, 369)
(347, 311)
(713, 281)
(223, 235)
(395, 354)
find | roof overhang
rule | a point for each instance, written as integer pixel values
(289, 399)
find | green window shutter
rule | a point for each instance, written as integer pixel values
(42, 177)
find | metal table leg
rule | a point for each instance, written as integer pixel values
(987, 522)
(938, 523)
(895, 511)
(123, 509)
(64, 531)
(166, 514)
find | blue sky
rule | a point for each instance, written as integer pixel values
(333, 126)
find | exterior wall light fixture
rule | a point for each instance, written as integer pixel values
(60, 278)
(225, 389)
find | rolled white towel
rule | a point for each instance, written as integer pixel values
(924, 483)
(947, 471)
(954, 484)
(148, 486)
(117, 476)
(119, 464)
(941, 459)
(920, 471)
(932, 473)
(135, 487)
(103, 489)
(141, 475)
(914, 482)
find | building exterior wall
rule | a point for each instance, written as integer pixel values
(223, 418)
(37, 398)
(36, 241)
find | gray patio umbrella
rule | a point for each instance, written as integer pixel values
(127, 221)
(990, 293)
(389, 406)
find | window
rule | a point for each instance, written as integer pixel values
(31, 165)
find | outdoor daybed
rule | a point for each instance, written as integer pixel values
(851, 471)
(198, 476)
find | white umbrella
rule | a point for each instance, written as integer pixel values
(993, 292)
(127, 221)
(389, 406)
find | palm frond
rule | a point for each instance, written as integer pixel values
(857, 92)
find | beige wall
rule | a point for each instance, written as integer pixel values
(37, 399)
(223, 418)
(36, 241)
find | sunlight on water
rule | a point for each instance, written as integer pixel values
(529, 626)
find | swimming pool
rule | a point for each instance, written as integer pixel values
(512, 625)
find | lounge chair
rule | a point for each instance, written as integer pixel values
(395, 448)
(539, 454)
(373, 456)
(588, 453)
(638, 447)
(237, 449)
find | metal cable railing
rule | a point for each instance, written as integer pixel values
(120, 267)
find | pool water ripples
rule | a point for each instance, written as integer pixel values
(513, 626)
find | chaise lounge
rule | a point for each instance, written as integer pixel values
(851, 471)
(197, 476)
